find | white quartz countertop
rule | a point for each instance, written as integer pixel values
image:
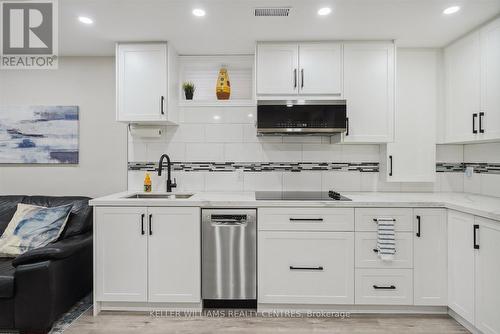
(484, 206)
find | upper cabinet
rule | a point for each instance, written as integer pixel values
(146, 83)
(369, 92)
(305, 69)
(472, 70)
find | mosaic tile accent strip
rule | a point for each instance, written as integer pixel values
(365, 167)
(480, 168)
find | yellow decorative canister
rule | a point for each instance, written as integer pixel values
(223, 89)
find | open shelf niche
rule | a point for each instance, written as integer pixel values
(203, 71)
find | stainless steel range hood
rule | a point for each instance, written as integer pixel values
(301, 117)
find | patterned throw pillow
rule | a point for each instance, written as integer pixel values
(33, 227)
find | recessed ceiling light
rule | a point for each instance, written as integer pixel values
(216, 117)
(198, 12)
(451, 10)
(86, 20)
(324, 11)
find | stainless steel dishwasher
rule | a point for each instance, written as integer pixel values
(229, 252)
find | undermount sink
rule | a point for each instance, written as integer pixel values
(160, 196)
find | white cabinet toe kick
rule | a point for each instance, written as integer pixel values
(309, 260)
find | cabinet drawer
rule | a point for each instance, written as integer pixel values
(306, 219)
(367, 257)
(365, 218)
(384, 286)
(306, 267)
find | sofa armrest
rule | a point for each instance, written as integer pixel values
(55, 251)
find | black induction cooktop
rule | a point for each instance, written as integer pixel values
(299, 196)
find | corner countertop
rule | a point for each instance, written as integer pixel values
(484, 206)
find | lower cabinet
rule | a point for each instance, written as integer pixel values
(147, 254)
(384, 286)
(430, 276)
(298, 267)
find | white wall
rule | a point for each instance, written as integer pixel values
(88, 82)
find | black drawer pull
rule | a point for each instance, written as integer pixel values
(319, 268)
(481, 115)
(150, 224)
(476, 228)
(474, 116)
(385, 287)
(418, 227)
(142, 224)
(376, 220)
(375, 250)
(306, 219)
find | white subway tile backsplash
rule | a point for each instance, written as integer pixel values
(223, 133)
(246, 152)
(189, 181)
(417, 187)
(266, 181)
(487, 152)
(176, 151)
(341, 181)
(449, 153)
(137, 151)
(361, 153)
(308, 181)
(321, 153)
(282, 152)
(472, 184)
(450, 182)
(372, 182)
(224, 181)
(490, 184)
(202, 152)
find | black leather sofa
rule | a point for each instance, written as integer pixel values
(37, 287)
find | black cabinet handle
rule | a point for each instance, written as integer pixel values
(295, 78)
(142, 224)
(302, 78)
(319, 268)
(306, 219)
(384, 287)
(384, 219)
(150, 224)
(375, 250)
(474, 116)
(347, 126)
(162, 102)
(481, 115)
(476, 228)
(418, 227)
(390, 165)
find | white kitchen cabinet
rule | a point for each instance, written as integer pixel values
(487, 269)
(121, 254)
(369, 90)
(320, 69)
(462, 88)
(305, 267)
(277, 69)
(384, 287)
(490, 81)
(174, 255)
(299, 69)
(367, 253)
(412, 155)
(430, 272)
(146, 83)
(147, 254)
(461, 277)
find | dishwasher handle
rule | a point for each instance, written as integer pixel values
(228, 222)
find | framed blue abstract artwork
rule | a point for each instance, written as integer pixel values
(39, 135)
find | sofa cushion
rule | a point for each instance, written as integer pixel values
(8, 206)
(6, 278)
(80, 219)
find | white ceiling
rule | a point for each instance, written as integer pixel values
(230, 27)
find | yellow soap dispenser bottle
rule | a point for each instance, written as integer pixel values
(147, 183)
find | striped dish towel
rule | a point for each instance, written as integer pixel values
(386, 244)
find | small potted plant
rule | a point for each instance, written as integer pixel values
(189, 89)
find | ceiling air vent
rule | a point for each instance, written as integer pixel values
(272, 11)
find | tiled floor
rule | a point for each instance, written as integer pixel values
(121, 323)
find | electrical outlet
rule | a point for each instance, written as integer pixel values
(469, 171)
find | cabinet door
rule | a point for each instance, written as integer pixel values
(490, 77)
(277, 69)
(142, 82)
(369, 91)
(461, 264)
(462, 71)
(414, 149)
(121, 245)
(430, 276)
(306, 267)
(174, 254)
(487, 274)
(320, 69)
